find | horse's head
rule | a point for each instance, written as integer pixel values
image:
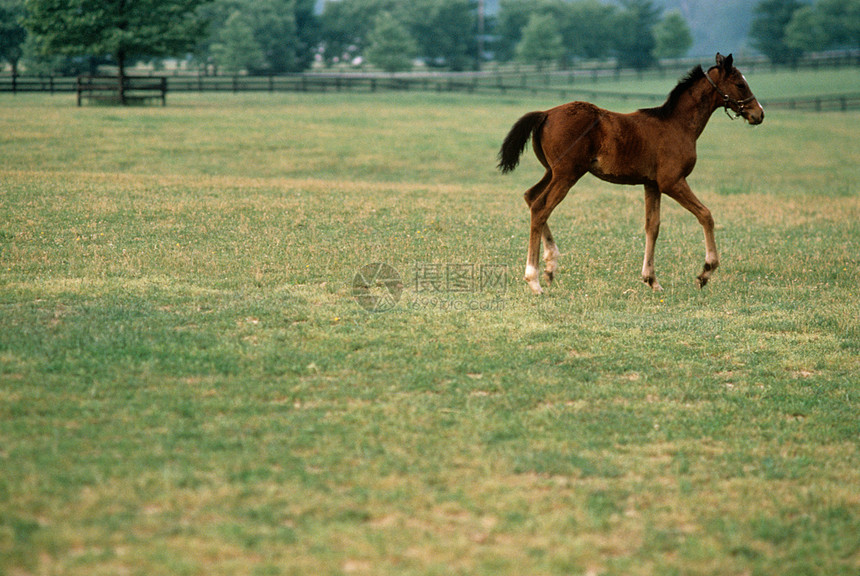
(731, 85)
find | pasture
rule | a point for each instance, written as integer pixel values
(189, 386)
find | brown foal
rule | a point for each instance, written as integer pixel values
(655, 147)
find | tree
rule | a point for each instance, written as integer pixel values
(672, 36)
(512, 19)
(446, 31)
(276, 31)
(391, 47)
(806, 31)
(825, 25)
(12, 33)
(123, 29)
(541, 42)
(634, 36)
(768, 29)
(309, 33)
(236, 48)
(842, 20)
(346, 25)
(286, 32)
(587, 28)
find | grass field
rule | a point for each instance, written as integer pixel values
(188, 385)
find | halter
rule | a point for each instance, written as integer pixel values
(728, 101)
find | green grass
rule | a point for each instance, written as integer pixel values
(187, 385)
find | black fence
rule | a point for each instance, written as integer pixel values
(134, 89)
(580, 83)
(835, 102)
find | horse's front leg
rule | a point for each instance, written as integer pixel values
(685, 197)
(652, 230)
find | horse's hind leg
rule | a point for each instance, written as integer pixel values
(538, 189)
(550, 254)
(550, 249)
(531, 196)
(652, 230)
(541, 208)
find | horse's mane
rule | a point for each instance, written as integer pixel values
(684, 84)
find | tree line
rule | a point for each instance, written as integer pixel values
(785, 30)
(283, 36)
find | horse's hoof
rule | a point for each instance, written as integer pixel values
(549, 276)
(701, 281)
(652, 282)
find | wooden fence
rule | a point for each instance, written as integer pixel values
(135, 89)
(835, 102)
(563, 85)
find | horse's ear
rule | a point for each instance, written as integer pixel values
(729, 62)
(720, 60)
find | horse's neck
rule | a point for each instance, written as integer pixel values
(696, 107)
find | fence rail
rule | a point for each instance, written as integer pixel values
(133, 89)
(837, 102)
(565, 85)
(44, 84)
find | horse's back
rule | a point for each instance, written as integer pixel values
(568, 134)
(575, 113)
(610, 145)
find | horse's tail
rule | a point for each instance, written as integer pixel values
(516, 140)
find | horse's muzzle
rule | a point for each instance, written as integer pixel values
(754, 116)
